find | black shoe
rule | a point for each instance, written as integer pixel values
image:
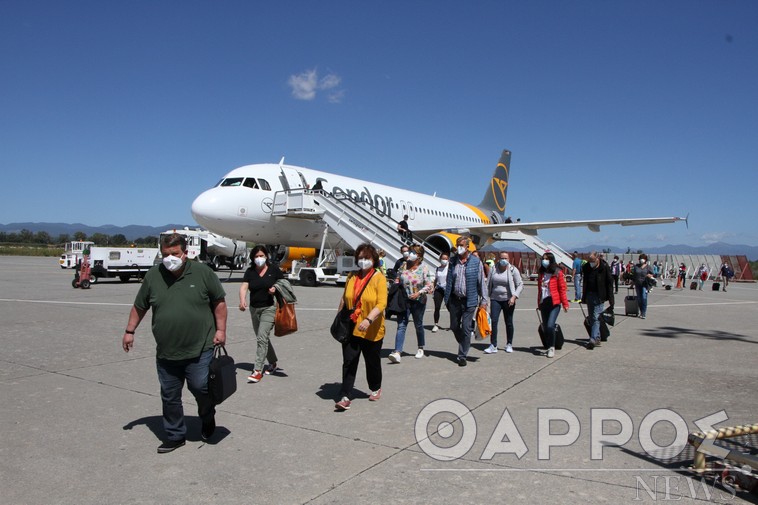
(462, 362)
(208, 428)
(170, 445)
(591, 344)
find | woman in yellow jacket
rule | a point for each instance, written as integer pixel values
(368, 316)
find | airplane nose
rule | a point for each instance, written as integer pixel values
(209, 208)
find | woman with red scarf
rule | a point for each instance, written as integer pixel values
(366, 294)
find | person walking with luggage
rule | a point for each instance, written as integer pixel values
(616, 268)
(682, 281)
(504, 287)
(551, 296)
(189, 318)
(726, 274)
(259, 279)
(464, 291)
(641, 272)
(576, 274)
(702, 276)
(417, 280)
(597, 289)
(440, 278)
(366, 292)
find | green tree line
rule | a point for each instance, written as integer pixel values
(42, 238)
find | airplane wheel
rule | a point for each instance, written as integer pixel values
(308, 278)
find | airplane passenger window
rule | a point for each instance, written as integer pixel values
(232, 181)
(264, 185)
(250, 183)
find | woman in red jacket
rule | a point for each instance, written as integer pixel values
(551, 295)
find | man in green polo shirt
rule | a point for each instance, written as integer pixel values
(189, 318)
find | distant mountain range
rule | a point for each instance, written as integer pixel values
(134, 231)
(131, 232)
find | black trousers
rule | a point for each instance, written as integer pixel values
(351, 355)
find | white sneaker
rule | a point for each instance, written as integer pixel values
(551, 352)
(419, 354)
(435, 328)
(395, 357)
(509, 348)
(491, 349)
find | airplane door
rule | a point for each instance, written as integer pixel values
(291, 178)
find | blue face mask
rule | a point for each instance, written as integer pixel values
(545, 263)
(503, 263)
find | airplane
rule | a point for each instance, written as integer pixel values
(241, 206)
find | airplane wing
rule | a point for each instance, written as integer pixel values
(532, 228)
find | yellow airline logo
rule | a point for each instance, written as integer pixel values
(498, 192)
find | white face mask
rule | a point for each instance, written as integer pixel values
(172, 263)
(412, 257)
(365, 264)
(643, 261)
(260, 261)
(443, 262)
(461, 250)
(545, 263)
(405, 254)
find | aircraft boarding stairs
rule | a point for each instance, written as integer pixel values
(355, 222)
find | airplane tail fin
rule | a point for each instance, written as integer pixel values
(494, 197)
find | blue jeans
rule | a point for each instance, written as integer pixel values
(171, 375)
(578, 287)
(595, 309)
(495, 308)
(415, 309)
(642, 299)
(549, 314)
(462, 323)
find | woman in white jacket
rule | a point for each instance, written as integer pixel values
(505, 286)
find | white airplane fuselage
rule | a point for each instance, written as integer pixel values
(239, 208)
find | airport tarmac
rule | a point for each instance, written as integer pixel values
(81, 418)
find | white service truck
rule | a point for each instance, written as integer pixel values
(121, 262)
(329, 268)
(215, 250)
(73, 253)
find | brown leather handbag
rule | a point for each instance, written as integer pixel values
(285, 321)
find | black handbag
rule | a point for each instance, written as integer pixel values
(342, 327)
(222, 376)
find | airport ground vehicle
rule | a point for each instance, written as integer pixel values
(73, 253)
(214, 250)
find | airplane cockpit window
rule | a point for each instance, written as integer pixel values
(232, 181)
(218, 183)
(264, 185)
(251, 183)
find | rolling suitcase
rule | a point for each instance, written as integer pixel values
(604, 331)
(631, 307)
(693, 285)
(558, 334)
(716, 286)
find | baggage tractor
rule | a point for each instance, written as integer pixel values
(716, 286)
(558, 334)
(693, 285)
(631, 307)
(605, 332)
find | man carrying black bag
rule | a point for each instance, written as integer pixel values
(597, 289)
(189, 318)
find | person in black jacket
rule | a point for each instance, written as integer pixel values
(597, 289)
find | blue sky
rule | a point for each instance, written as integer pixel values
(122, 112)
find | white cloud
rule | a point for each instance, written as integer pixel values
(715, 237)
(306, 85)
